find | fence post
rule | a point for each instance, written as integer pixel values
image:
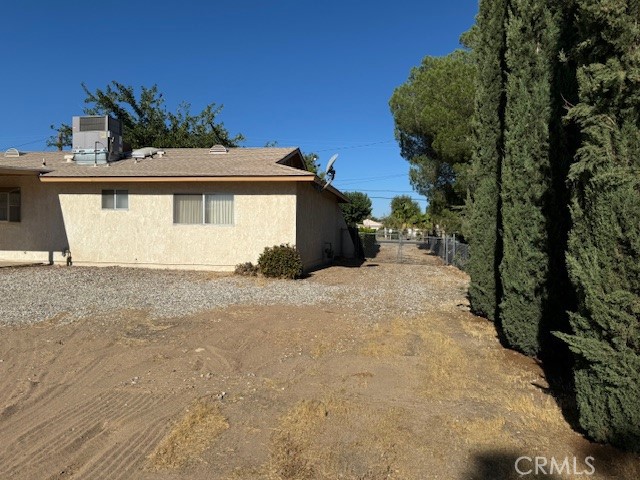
(453, 257)
(446, 245)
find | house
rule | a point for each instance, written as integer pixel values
(368, 223)
(183, 208)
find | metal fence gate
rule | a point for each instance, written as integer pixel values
(398, 248)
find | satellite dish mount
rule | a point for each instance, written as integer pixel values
(330, 172)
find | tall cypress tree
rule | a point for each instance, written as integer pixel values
(604, 244)
(527, 190)
(489, 47)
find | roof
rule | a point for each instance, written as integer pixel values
(372, 223)
(176, 164)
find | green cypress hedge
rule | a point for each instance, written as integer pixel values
(527, 191)
(604, 244)
(484, 206)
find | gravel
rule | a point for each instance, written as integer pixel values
(34, 294)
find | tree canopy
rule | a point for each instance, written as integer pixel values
(312, 164)
(359, 208)
(555, 198)
(404, 212)
(432, 112)
(147, 122)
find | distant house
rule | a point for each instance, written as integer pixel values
(175, 208)
(368, 223)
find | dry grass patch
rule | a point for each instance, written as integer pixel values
(532, 410)
(388, 341)
(291, 442)
(340, 439)
(198, 428)
(481, 432)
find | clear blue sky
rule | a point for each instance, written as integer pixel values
(317, 75)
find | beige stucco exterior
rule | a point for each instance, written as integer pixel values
(40, 236)
(321, 229)
(56, 216)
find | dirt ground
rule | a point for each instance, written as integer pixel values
(281, 392)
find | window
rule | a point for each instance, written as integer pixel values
(197, 209)
(9, 204)
(115, 199)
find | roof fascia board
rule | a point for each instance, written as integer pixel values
(332, 189)
(283, 178)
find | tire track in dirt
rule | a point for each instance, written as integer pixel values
(73, 430)
(11, 392)
(34, 362)
(118, 461)
(46, 436)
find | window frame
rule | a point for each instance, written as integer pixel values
(203, 205)
(115, 194)
(7, 192)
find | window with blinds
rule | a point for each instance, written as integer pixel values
(115, 199)
(206, 208)
(10, 205)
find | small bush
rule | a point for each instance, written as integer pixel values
(247, 269)
(280, 261)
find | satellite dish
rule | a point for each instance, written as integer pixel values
(331, 162)
(330, 173)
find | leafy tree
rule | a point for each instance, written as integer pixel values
(358, 209)
(484, 217)
(526, 189)
(312, 163)
(604, 244)
(432, 113)
(404, 212)
(146, 121)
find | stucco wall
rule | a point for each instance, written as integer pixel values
(320, 222)
(40, 235)
(145, 235)
(60, 215)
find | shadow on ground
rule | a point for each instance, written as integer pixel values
(504, 465)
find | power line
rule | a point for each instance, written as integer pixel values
(389, 191)
(355, 146)
(350, 181)
(30, 143)
(391, 198)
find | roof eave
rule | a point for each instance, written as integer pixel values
(166, 179)
(332, 189)
(11, 170)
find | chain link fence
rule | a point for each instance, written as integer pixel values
(400, 248)
(450, 250)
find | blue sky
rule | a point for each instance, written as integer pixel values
(317, 75)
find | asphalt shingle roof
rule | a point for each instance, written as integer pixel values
(176, 162)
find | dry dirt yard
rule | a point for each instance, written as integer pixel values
(373, 372)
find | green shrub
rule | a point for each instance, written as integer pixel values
(246, 269)
(280, 261)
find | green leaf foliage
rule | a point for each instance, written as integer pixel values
(526, 188)
(432, 112)
(604, 244)
(280, 261)
(311, 163)
(483, 204)
(405, 212)
(358, 208)
(147, 123)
